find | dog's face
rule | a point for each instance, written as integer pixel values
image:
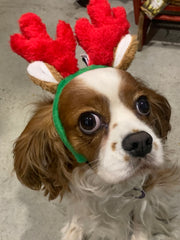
(116, 122)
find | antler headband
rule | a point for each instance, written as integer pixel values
(53, 65)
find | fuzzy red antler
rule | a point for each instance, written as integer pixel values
(35, 44)
(100, 37)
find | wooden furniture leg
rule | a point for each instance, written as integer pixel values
(142, 29)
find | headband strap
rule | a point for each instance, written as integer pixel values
(56, 119)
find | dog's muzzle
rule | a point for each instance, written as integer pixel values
(138, 144)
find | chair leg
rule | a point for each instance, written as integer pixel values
(136, 4)
(142, 29)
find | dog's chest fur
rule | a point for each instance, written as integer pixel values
(110, 212)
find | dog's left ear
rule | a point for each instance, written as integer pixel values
(40, 158)
(160, 115)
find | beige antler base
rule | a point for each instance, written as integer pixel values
(125, 52)
(44, 75)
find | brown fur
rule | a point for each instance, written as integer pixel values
(78, 102)
(160, 110)
(40, 158)
(167, 178)
(113, 146)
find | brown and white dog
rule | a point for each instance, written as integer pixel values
(125, 189)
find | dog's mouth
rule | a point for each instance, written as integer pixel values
(143, 165)
(136, 167)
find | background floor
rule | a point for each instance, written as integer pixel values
(25, 214)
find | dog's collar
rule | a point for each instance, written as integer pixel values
(56, 119)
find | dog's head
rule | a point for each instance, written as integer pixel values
(112, 119)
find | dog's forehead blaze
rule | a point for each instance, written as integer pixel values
(119, 87)
(116, 85)
(96, 91)
(91, 91)
(105, 81)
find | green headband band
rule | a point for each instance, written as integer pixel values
(57, 121)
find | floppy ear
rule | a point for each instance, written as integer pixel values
(161, 113)
(40, 159)
(44, 75)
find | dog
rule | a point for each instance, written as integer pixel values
(127, 188)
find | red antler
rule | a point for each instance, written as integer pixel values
(100, 37)
(35, 44)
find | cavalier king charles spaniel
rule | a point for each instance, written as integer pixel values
(127, 188)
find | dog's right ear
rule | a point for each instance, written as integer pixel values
(44, 75)
(40, 158)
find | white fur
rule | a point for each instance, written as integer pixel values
(102, 202)
(72, 230)
(104, 211)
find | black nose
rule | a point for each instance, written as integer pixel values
(138, 144)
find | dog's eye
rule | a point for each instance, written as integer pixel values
(89, 122)
(142, 105)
